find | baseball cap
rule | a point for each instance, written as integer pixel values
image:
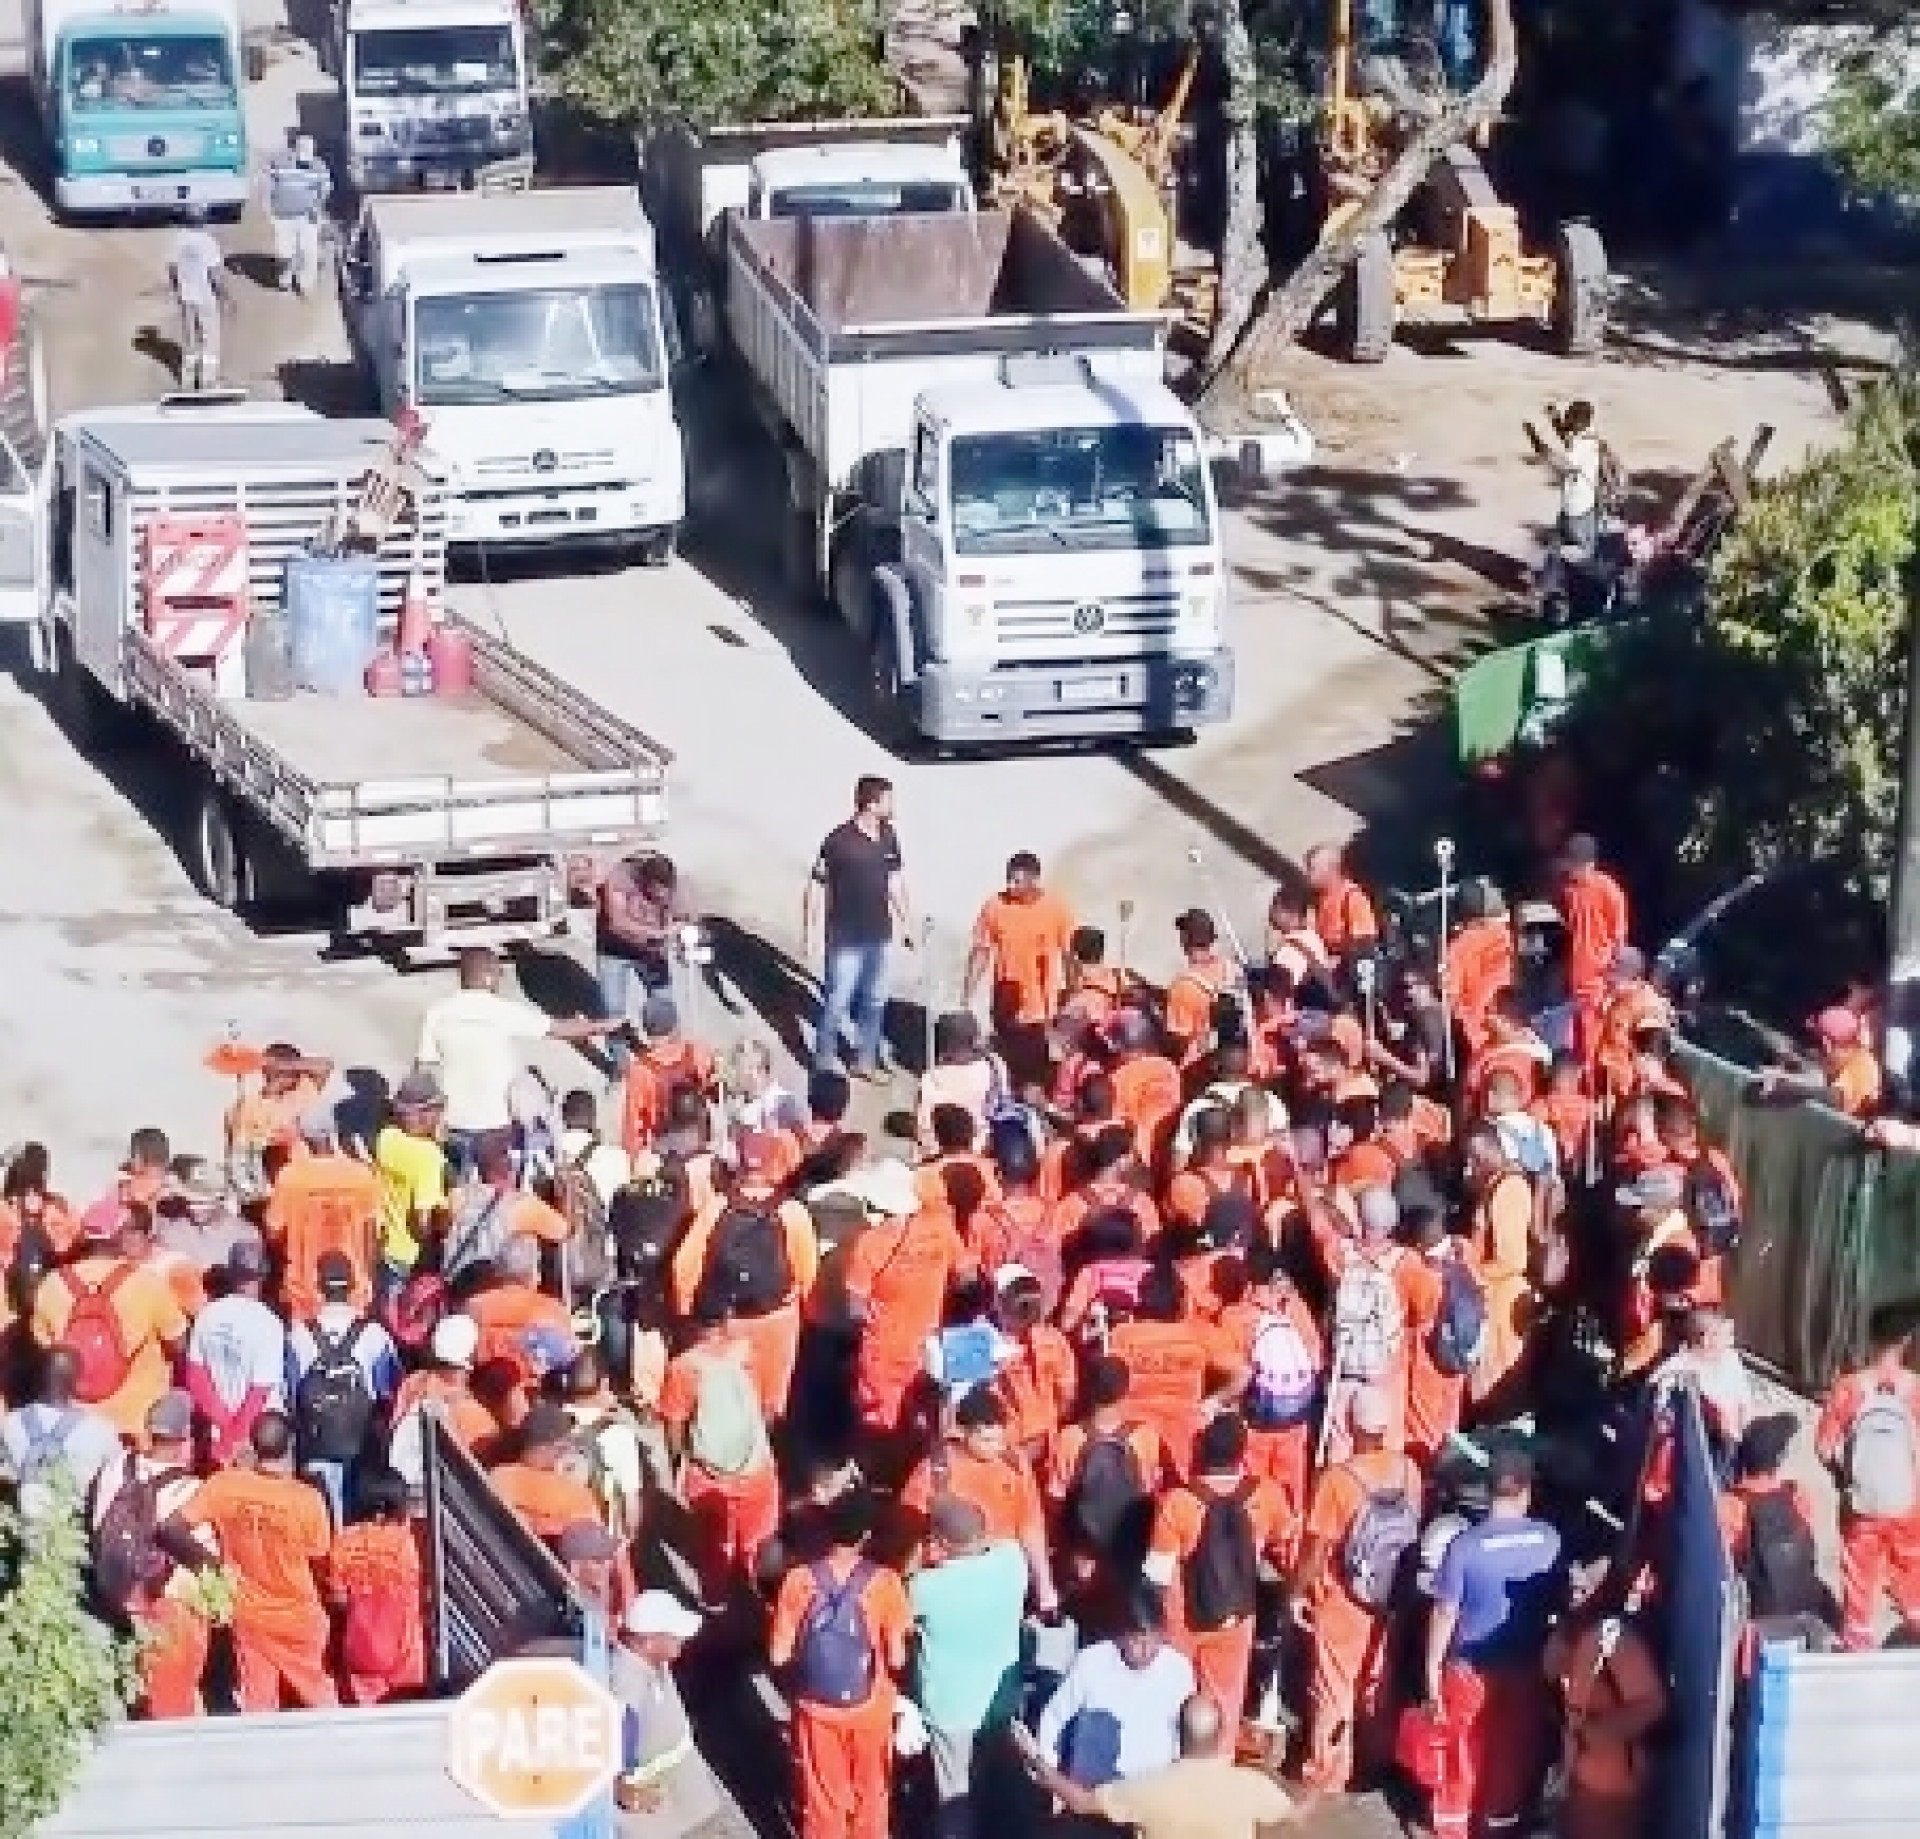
(419, 1091)
(319, 1125)
(170, 1416)
(886, 1188)
(1379, 1213)
(333, 1274)
(1837, 1026)
(544, 1426)
(659, 1017)
(1627, 963)
(456, 1340)
(657, 1612)
(247, 1258)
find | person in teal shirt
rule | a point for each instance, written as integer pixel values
(968, 1609)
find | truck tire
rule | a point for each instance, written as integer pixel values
(887, 711)
(1581, 287)
(76, 701)
(658, 551)
(216, 853)
(797, 565)
(1365, 303)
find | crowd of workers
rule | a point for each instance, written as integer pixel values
(1254, 1367)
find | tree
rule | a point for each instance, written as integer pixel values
(63, 1676)
(641, 63)
(1873, 114)
(1292, 305)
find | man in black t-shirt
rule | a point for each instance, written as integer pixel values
(856, 899)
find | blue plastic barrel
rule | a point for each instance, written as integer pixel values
(333, 615)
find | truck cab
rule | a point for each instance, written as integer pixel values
(531, 333)
(1059, 563)
(435, 92)
(855, 179)
(141, 104)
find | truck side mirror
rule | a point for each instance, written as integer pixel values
(883, 478)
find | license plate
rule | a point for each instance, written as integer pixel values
(158, 194)
(1090, 689)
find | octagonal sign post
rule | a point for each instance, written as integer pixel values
(535, 1739)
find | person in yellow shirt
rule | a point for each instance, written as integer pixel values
(412, 1167)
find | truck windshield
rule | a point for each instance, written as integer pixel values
(136, 70)
(1079, 488)
(929, 198)
(435, 61)
(542, 345)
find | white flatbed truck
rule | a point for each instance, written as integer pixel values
(988, 476)
(421, 823)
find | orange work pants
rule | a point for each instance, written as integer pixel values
(1222, 1659)
(173, 1659)
(283, 1657)
(1283, 1458)
(1878, 1556)
(1344, 1692)
(732, 1517)
(775, 1341)
(844, 1760)
(1490, 1764)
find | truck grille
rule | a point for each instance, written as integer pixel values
(515, 465)
(145, 149)
(1073, 623)
(449, 131)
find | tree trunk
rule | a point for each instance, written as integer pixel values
(1243, 259)
(1291, 306)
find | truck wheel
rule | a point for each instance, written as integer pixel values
(657, 551)
(75, 699)
(216, 857)
(797, 563)
(886, 693)
(1365, 303)
(1580, 289)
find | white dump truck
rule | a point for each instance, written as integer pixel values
(420, 822)
(531, 334)
(987, 476)
(436, 93)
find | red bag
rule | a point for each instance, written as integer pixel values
(373, 1633)
(97, 1336)
(1420, 1747)
(416, 1309)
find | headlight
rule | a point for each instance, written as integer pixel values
(84, 145)
(227, 142)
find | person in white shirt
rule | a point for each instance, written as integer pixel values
(1115, 1715)
(606, 1165)
(1578, 464)
(56, 1442)
(356, 1335)
(236, 1356)
(197, 274)
(476, 1040)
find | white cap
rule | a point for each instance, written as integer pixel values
(456, 1340)
(1010, 1274)
(657, 1612)
(886, 1188)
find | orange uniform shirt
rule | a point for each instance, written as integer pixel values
(1002, 1488)
(1026, 944)
(509, 1317)
(1148, 1095)
(1341, 1492)
(150, 1321)
(1343, 916)
(1038, 1384)
(900, 1272)
(888, 1620)
(379, 1556)
(320, 1204)
(1595, 910)
(273, 1530)
(1182, 1512)
(800, 1241)
(547, 1501)
(1070, 1448)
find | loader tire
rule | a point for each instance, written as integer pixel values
(1581, 288)
(1365, 305)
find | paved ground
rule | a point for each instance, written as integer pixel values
(1421, 500)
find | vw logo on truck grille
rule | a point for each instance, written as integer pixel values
(1089, 617)
(546, 461)
(157, 148)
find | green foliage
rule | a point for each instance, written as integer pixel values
(642, 63)
(1769, 730)
(63, 1677)
(1873, 114)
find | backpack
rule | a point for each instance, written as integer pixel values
(748, 1257)
(728, 1434)
(1285, 1381)
(1109, 1507)
(1882, 1449)
(583, 1458)
(46, 1447)
(1781, 1566)
(586, 1260)
(127, 1558)
(651, 1105)
(416, 1309)
(833, 1658)
(1369, 1319)
(97, 1337)
(645, 1219)
(1711, 1209)
(333, 1405)
(1458, 1339)
(1383, 1532)
(1026, 1222)
(475, 1237)
(1223, 1574)
(373, 1631)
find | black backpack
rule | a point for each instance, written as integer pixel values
(645, 1219)
(1711, 1210)
(332, 1405)
(1109, 1508)
(748, 1258)
(1223, 1575)
(1782, 1564)
(127, 1557)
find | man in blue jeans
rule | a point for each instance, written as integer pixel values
(856, 901)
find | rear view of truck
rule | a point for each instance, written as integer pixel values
(141, 105)
(988, 476)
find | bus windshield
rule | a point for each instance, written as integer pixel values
(138, 70)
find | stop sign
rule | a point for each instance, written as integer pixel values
(535, 1739)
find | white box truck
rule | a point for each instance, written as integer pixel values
(435, 93)
(987, 476)
(424, 823)
(530, 332)
(141, 104)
